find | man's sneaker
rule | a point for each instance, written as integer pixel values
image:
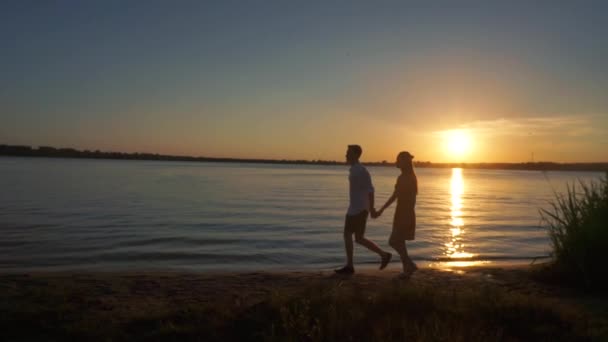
(385, 260)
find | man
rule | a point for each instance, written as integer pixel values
(361, 193)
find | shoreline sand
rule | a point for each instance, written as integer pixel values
(180, 286)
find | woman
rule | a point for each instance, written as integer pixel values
(404, 222)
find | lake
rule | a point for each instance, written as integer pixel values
(77, 214)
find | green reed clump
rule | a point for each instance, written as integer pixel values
(577, 224)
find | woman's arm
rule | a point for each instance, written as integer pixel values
(388, 203)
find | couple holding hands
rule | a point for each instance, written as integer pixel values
(361, 194)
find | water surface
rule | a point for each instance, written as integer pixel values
(76, 214)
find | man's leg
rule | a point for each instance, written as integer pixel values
(369, 244)
(360, 222)
(362, 240)
(348, 246)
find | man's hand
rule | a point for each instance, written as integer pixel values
(374, 213)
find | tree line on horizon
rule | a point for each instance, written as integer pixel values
(52, 152)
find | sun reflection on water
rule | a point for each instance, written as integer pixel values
(455, 247)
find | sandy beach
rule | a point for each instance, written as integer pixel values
(210, 306)
(111, 289)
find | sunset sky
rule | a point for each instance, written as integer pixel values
(452, 81)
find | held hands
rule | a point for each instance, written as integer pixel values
(376, 214)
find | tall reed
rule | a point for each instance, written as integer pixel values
(577, 223)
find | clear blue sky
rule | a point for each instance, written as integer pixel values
(287, 79)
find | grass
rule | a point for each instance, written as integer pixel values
(328, 311)
(577, 224)
(398, 314)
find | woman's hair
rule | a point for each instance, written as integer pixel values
(407, 167)
(406, 162)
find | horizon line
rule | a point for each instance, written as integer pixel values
(69, 152)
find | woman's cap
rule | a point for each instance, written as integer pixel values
(407, 154)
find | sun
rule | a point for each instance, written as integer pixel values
(457, 143)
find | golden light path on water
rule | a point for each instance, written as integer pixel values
(455, 247)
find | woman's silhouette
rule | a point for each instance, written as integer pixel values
(404, 222)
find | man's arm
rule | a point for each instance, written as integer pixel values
(367, 181)
(372, 210)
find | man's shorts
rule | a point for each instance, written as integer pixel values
(356, 223)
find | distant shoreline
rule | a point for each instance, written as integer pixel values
(52, 152)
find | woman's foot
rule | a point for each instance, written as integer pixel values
(413, 266)
(386, 258)
(345, 270)
(409, 267)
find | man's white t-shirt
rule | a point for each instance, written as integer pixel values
(360, 187)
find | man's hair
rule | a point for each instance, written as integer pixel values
(356, 149)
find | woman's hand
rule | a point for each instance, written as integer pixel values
(373, 213)
(376, 214)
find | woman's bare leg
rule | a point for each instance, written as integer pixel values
(399, 246)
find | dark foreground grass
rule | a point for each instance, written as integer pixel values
(399, 313)
(323, 311)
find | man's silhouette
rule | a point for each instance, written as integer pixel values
(361, 193)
